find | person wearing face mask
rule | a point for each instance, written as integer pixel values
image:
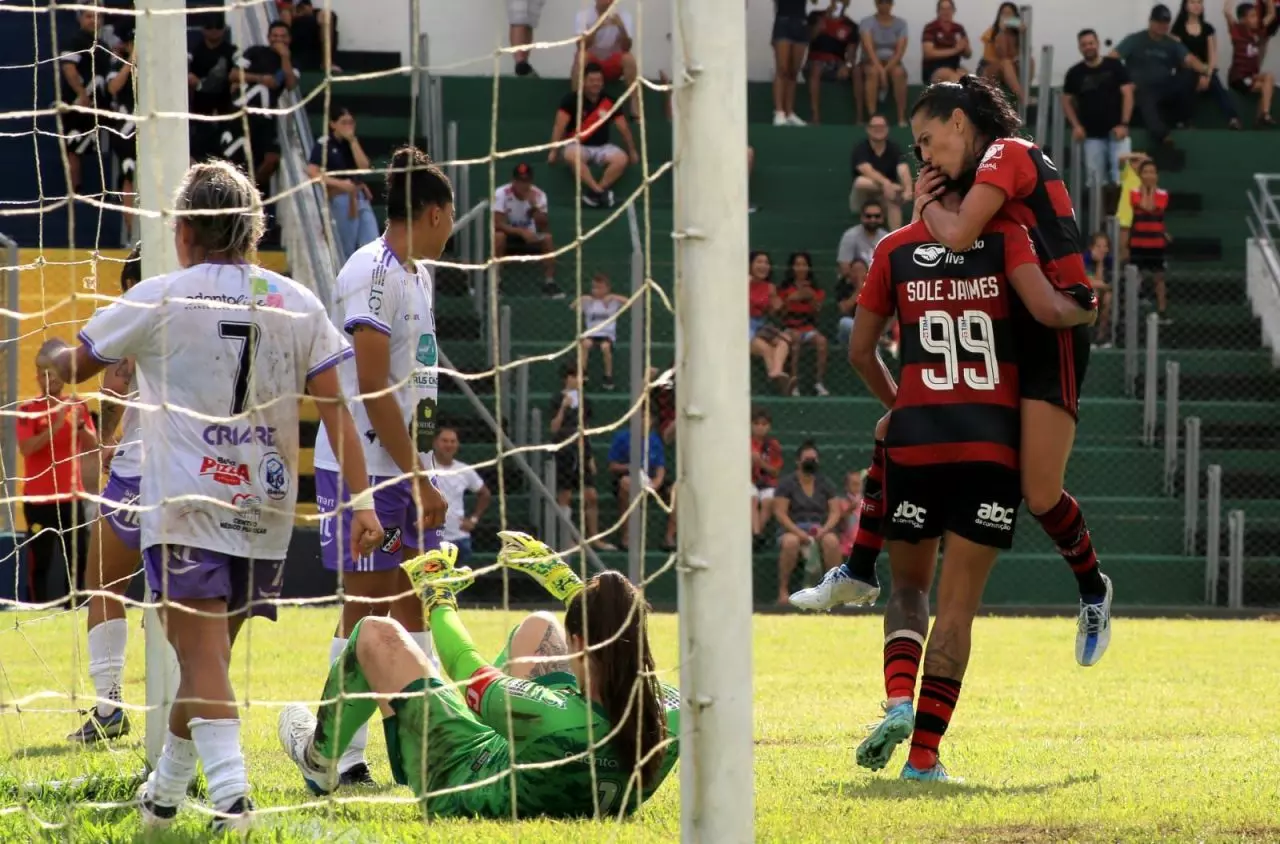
(807, 507)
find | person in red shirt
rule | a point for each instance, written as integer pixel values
(1248, 42)
(767, 342)
(945, 43)
(54, 434)
(1147, 236)
(766, 465)
(964, 131)
(801, 301)
(833, 54)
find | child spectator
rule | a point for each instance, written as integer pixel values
(766, 463)
(801, 302)
(653, 464)
(598, 310)
(1097, 263)
(944, 43)
(767, 342)
(833, 54)
(847, 289)
(1148, 237)
(850, 507)
(1248, 37)
(571, 474)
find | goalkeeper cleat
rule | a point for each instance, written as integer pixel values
(238, 817)
(101, 727)
(154, 816)
(837, 587)
(877, 749)
(1093, 628)
(296, 728)
(522, 552)
(935, 774)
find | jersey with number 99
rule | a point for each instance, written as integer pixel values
(223, 353)
(958, 389)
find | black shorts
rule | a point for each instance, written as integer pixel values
(206, 139)
(567, 475)
(976, 501)
(79, 132)
(519, 246)
(1148, 260)
(125, 151)
(1243, 84)
(786, 28)
(1052, 363)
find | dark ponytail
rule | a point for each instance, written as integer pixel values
(611, 617)
(986, 106)
(131, 272)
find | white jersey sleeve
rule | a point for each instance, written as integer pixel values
(125, 327)
(369, 291)
(323, 345)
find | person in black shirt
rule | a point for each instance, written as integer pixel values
(84, 62)
(265, 72)
(591, 143)
(570, 474)
(123, 130)
(880, 173)
(350, 208)
(211, 71)
(1201, 40)
(315, 35)
(1097, 98)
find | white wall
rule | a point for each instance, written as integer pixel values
(463, 34)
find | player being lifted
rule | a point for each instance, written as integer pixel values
(965, 135)
(583, 695)
(225, 339)
(386, 301)
(950, 451)
(113, 539)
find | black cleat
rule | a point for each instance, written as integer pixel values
(237, 817)
(357, 775)
(101, 728)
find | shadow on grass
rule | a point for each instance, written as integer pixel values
(880, 788)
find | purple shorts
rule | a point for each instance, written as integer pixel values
(195, 573)
(395, 510)
(124, 522)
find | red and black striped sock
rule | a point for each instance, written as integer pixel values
(902, 650)
(1065, 525)
(869, 538)
(938, 696)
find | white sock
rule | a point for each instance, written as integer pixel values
(217, 743)
(354, 754)
(174, 770)
(106, 662)
(423, 639)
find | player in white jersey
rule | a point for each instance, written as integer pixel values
(385, 297)
(114, 554)
(223, 352)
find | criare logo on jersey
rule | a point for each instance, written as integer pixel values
(990, 157)
(267, 293)
(239, 435)
(995, 516)
(274, 475)
(224, 471)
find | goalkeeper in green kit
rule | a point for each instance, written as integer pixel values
(573, 695)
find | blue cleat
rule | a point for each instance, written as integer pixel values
(876, 749)
(1093, 628)
(101, 727)
(935, 774)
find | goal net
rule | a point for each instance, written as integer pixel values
(553, 345)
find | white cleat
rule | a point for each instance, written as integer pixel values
(837, 587)
(295, 728)
(1093, 628)
(154, 816)
(793, 120)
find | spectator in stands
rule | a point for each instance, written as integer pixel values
(944, 43)
(522, 18)
(858, 243)
(608, 46)
(591, 144)
(211, 71)
(521, 225)
(1148, 237)
(768, 342)
(850, 507)
(265, 72)
(54, 434)
(653, 467)
(84, 61)
(123, 131)
(1002, 51)
(337, 159)
(574, 474)
(833, 55)
(1097, 99)
(1272, 28)
(455, 479)
(1164, 73)
(790, 40)
(884, 43)
(1200, 38)
(600, 329)
(314, 35)
(1248, 37)
(766, 464)
(802, 301)
(807, 506)
(852, 275)
(662, 395)
(880, 172)
(1098, 263)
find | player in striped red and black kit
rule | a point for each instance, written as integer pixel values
(1147, 236)
(951, 451)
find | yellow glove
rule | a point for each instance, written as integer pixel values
(437, 578)
(522, 552)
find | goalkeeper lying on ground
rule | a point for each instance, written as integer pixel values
(436, 743)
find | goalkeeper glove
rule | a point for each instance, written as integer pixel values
(437, 578)
(522, 552)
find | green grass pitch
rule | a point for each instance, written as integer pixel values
(1173, 737)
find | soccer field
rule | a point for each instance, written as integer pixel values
(1172, 737)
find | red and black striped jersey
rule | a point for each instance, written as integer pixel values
(798, 312)
(958, 397)
(1148, 232)
(1038, 199)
